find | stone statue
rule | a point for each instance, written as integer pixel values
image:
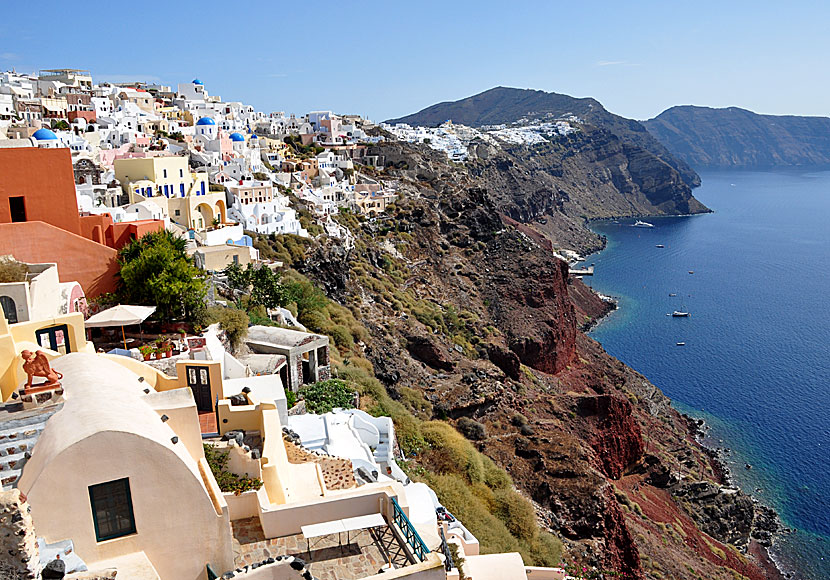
(37, 365)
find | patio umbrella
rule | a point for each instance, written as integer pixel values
(121, 315)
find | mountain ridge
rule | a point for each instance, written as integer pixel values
(507, 105)
(736, 137)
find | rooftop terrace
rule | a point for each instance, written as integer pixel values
(364, 555)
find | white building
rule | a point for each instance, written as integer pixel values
(259, 209)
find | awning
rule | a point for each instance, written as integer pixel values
(121, 315)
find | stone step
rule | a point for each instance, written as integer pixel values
(22, 431)
(12, 446)
(8, 479)
(13, 462)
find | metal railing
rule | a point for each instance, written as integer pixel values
(445, 548)
(419, 548)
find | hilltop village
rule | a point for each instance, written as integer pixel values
(136, 444)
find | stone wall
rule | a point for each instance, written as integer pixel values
(19, 557)
(338, 473)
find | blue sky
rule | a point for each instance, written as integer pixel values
(391, 58)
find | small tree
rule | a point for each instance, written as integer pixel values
(263, 284)
(156, 271)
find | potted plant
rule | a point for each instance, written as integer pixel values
(146, 351)
(167, 349)
(158, 353)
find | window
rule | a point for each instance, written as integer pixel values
(164, 171)
(178, 212)
(112, 509)
(181, 172)
(54, 338)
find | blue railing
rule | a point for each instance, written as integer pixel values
(410, 534)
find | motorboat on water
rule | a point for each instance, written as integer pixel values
(672, 294)
(681, 344)
(660, 246)
(680, 314)
(641, 224)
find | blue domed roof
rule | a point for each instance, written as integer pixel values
(197, 82)
(254, 136)
(205, 121)
(237, 137)
(44, 135)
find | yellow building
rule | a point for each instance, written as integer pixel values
(183, 196)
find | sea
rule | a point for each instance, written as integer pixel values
(754, 276)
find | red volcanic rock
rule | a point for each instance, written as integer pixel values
(618, 441)
(429, 352)
(621, 554)
(528, 296)
(506, 360)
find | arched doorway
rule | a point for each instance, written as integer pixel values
(220, 211)
(203, 217)
(9, 309)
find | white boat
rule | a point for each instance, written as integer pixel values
(679, 314)
(681, 344)
(639, 224)
(660, 246)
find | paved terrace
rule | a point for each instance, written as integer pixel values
(364, 555)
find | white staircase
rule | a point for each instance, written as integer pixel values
(19, 431)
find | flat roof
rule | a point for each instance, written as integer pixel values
(281, 336)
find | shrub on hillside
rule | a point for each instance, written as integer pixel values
(324, 396)
(472, 429)
(232, 320)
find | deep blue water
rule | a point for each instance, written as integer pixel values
(756, 364)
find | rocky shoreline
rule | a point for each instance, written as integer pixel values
(766, 524)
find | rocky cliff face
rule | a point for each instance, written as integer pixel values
(467, 306)
(554, 188)
(734, 137)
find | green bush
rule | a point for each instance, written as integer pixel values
(517, 513)
(290, 398)
(324, 396)
(232, 320)
(451, 453)
(472, 429)
(227, 480)
(458, 497)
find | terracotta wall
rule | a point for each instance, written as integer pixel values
(123, 232)
(45, 178)
(78, 259)
(116, 235)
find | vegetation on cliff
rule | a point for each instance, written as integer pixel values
(452, 317)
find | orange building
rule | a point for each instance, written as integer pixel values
(39, 220)
(38, 185)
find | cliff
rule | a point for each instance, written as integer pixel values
(554, 188)
(501, 105)
(734, 137)
(471, 318)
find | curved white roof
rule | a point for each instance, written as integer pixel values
(101, 395)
